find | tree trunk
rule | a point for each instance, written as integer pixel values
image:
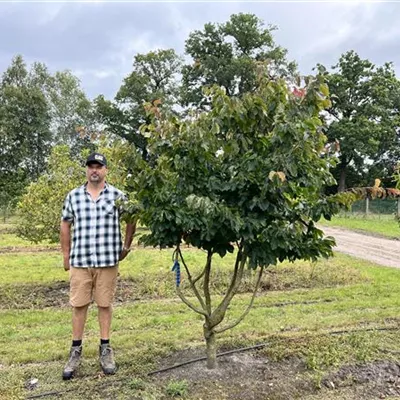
(211, 348)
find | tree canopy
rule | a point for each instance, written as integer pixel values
(224, 54)
(153, 79)
(25, 134)
(364, 116)
(245, 176)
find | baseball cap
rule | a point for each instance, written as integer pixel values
(96, 158)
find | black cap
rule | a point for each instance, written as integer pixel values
(96, 158)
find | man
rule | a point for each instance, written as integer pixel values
(92, 261)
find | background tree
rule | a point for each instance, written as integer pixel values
(39, 209)
(153, 79)
(245, 177)
(37, 111)
(11, 186)
(364, 116)
(224, 54)
(70, 112)
(25, 134)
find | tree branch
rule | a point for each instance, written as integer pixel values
(332, 113)
(192, 284)
(200, 276)
(304, 223)
(206, 283)
(219, 313)
(189, 304)
(240, 319)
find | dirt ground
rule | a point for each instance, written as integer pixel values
(252, 376)
(376, 249)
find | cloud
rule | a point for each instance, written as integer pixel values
(98, 41)
(96, 73)
(49, 13)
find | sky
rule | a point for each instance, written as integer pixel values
(98, 40)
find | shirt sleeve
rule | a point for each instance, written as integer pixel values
(67, 211)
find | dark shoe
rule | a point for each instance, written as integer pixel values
(107, 359)
(73, 363)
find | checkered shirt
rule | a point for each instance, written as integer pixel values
(96, 233)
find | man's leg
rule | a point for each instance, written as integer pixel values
(80, 297)
(79, 315)
(105, 316)
(104, 291)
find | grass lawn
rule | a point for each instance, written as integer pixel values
(9, 239)
(383, 225)
(296, 309)
(12, 240)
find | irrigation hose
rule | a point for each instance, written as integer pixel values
(257, 346)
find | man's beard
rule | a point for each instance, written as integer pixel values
(94, 178)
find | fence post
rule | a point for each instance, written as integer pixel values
(367, 205)
(398, 207)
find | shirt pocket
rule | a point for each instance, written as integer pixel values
(109, 207)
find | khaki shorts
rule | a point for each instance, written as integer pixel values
(87, 284)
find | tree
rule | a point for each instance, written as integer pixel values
(25, 134)
(11, 186)
(153, 80)
(224, 54)
(71, 112)
(25, 120)
(37, 111)
(364, 115)
(40, 207)
(245, 177)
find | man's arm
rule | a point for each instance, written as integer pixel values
(129, 232)
(65, 239)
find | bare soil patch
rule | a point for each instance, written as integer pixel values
(380, 379)
(241, 376)
(56, 294)
(253, 376)
(162, 286)
(29, 249)
(33, 296)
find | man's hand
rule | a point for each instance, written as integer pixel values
(66, 263)
(125, 251)
(130, 230)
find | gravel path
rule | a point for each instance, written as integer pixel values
(376, 249)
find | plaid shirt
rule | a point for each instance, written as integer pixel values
(96, 236)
